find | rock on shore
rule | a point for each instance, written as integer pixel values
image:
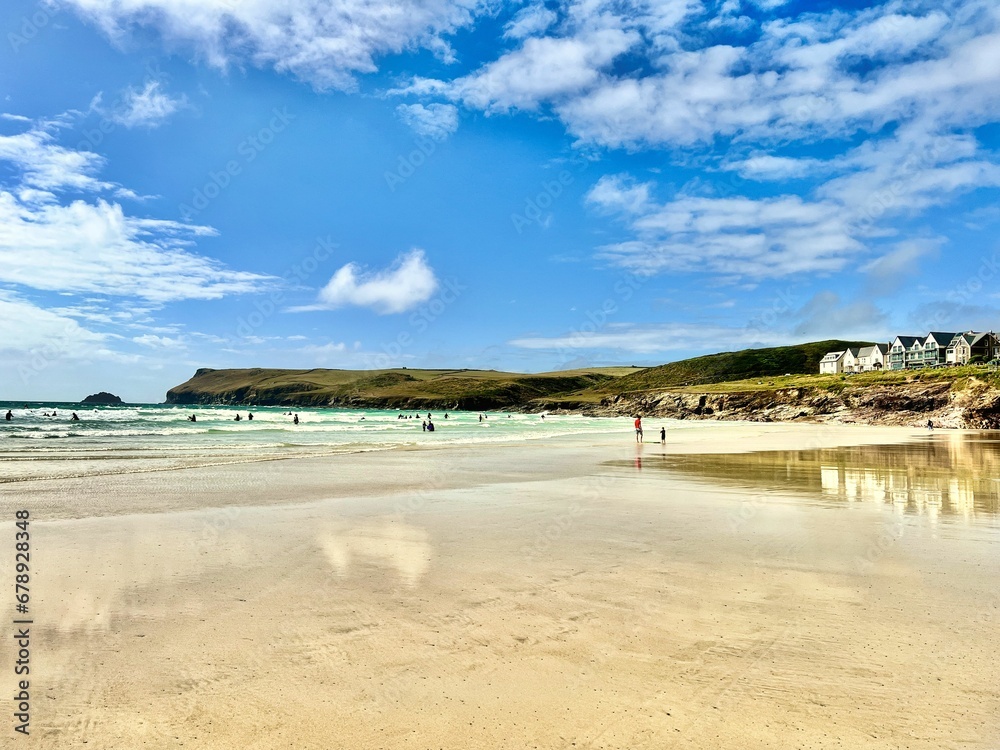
(906, 404)
(103, 398)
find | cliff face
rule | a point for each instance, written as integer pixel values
(393, 389)
(975, 406)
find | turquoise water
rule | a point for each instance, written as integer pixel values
(160, 426)
(137, 437)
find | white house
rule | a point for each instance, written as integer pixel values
(905, 352)
(832, 363)
(851, 363)
(872, 357)
(964, 346)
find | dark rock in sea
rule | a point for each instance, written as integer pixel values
(107, 399)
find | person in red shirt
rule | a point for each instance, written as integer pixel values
(638, 429)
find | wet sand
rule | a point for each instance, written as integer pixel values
(579, 594)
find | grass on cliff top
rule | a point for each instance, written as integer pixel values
(959, 377)
(801, 359)
(399, 383)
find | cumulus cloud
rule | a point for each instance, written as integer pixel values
(543, 69)
(436, 121)
(408, 282)
(324, 42)
(794, 77)
(148, 107)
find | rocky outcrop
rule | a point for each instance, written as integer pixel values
(977, 405)
(103, 398)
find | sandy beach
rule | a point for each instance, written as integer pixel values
(580, 593)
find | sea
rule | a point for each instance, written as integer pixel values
(42, 439)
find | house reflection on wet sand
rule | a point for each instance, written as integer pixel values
(954, 475)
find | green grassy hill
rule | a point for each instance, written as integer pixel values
(490, 389)
(393, 388)
(800, 359)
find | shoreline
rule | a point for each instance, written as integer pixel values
(320, 477)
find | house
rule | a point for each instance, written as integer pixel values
(872, 357)
(935, 348)
(901, 349)
(832, 363)
(984, 347)
(851, 363)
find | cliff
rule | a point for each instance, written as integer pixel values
(474, 390)
(952, 397)
(965, 402)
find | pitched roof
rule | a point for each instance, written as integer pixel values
(867, 351)
(941, 338)
(978, 337)
(906, 341)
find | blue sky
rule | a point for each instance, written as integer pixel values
(523, 186)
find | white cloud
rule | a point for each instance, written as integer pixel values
(826, 316)
(46, 166)
(81, 246)
(738, 236)
(892, 270)
(97, 248)
(405, 284)
(620, 193)
(535, 19)
(799, 77)
(762, 166)
(148, 108)
(651, 339)
(29, 330)
(324, 42)
(436, 121)
(543, 69)
(159, 342)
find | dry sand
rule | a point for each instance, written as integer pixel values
(521, 596)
